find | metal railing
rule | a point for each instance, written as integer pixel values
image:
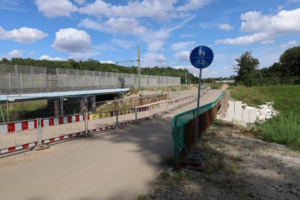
(16, 79)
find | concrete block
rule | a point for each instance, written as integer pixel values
(238, 110)
(230, 110)
(245, 115)
(252, 115)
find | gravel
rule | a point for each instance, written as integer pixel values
(238, 165)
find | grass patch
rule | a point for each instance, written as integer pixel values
(284, 128)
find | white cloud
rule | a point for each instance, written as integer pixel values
(104, 47)
(183, 46)
(115, 25)
(279, 7)
(72, 41)
(122, 43)
(45, 57)
(32, 53)
(108, 62)
(80, 2)
(134, 9)
(55, 8)
(22, 35)
(91, 24)
(266, 28)
(193, 5)
(160, 58)
(124, 25)
(151, 59)
(183, 56)
(225, 27)
(14, 54)
(289, 44)
(156, 39)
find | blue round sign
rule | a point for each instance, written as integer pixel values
(201, 57)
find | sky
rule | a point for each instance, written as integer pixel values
(166, 31)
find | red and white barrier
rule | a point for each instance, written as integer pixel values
(18, 126)
(32, 124)
(62, 120)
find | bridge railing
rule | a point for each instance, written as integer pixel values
(184, 126)
(16, 79)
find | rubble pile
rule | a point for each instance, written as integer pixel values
(265, 111)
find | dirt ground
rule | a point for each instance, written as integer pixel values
(238, 165)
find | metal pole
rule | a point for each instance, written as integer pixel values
(7, 109)
(17, 82)
(38, 130)
(32, 79)
(57, 83)
(46, 80)
(117, 120)
(9, 80)
(61, 106)
(197, 117)
(21, 79)
(86, 115)
(2, 114)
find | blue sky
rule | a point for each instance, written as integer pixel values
(166, 30)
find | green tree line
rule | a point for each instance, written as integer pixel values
(284, 72)
(94, 65)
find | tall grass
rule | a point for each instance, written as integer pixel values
(285, 128)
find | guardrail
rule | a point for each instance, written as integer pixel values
(183, 128)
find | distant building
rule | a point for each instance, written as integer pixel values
(225, 81)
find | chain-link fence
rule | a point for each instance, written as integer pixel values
(16, 79)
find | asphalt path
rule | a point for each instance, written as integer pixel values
(119, 164)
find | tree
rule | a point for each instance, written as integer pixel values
(290, 61)
(246, 69)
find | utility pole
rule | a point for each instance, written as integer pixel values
(139, 69)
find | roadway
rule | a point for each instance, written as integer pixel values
(120, 164)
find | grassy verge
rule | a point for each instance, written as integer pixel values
(285, 128)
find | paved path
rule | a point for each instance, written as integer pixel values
(119, 164)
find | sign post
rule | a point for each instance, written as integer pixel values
(201, 57)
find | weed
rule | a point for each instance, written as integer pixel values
(167, 160)
(141, 197)
(164, 176)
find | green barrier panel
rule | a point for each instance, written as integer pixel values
(181, 119)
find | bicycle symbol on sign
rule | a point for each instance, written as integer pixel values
(201, 62)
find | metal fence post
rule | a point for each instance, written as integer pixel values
(21, 79)
(167, 107)
(86, 115)
(46, 80)
(135, 114)
(32, 79)
(159, 108)
(117, 120)
(17, 84)
(9, 80)
(38, 130)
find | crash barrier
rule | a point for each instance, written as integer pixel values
(184, 126)
(51, 130)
